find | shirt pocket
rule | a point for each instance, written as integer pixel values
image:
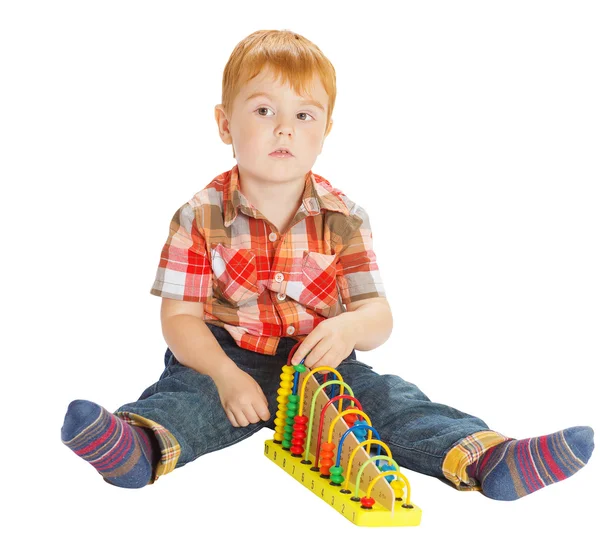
(234, 274)
(318, 282)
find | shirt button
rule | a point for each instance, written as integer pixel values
(290, 330)
(272, 236)
(279, 277)
(281, 297)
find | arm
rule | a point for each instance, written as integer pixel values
(194, 346)
(191, 341)
(371, 321)
(366, 325)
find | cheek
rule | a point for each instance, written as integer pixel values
(316, 140)
(317, 135)
(248, 137)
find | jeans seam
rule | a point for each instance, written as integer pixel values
(429, 453)
(415, 450)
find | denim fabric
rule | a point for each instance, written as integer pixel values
(418, 431)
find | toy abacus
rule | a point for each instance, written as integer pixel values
(360, 496)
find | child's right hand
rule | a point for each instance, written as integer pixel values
(242, 398)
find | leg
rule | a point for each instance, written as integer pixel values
(427, 437)
(184, 410)
(174, 421)
(459, 448)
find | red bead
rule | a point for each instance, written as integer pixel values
(367, 502)
(350, 419)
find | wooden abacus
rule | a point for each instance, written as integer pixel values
(371, 501)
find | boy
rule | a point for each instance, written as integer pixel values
(270, 254)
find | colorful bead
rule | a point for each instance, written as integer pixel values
(336, 474)
(299, 435)
(367, 503)
(326, 459)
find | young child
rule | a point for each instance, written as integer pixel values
(268, 255)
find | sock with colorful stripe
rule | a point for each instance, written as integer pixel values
(515, 468)
(125, 455)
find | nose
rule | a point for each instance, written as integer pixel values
(285, 127)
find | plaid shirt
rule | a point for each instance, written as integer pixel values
(257, 283)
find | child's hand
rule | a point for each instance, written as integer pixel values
(329, 343)
(242, 398)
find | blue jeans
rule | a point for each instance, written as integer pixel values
(418, 431)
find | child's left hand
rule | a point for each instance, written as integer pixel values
(329, 343)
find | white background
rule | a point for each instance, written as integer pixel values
(468, 131)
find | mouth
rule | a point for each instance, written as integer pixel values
(281, 153)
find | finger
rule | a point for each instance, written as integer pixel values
(317, 353)
(251, 415)
(231, 418)
(262, 411)
(330, 359)
(240, 418)
(306, 347)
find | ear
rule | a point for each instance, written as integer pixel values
(223, 124)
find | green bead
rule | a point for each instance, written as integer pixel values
(300, 368)
(293, 398)
(336, 474)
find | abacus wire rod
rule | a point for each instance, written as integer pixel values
(362, 468)
(354, 401)
(312, 410)
(339, 454)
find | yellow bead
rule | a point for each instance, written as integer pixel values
(398, 487)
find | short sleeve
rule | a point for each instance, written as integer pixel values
(184, 271)
(358, 276)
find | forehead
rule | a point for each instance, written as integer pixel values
(266, 83)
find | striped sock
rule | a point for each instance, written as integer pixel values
(513, 469)
(125, 455)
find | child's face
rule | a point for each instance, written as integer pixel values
(259, 125)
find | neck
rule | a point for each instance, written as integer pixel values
(266, 195)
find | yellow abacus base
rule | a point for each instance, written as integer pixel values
(376, 516)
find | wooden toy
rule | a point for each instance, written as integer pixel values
(369, 490)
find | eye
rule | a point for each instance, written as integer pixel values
(267, 108)
(263, 108)
(307, 115)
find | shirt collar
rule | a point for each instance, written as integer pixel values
(318, 194)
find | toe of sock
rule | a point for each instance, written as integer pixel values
(581, 441)
(80, 414)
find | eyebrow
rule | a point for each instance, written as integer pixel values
(263, 94)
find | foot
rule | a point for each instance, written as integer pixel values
(125, 455)
(515, 468)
